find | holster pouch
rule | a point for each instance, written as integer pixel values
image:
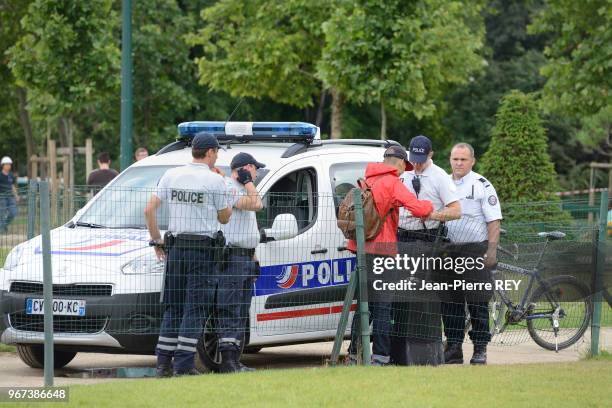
(168, 243)
(219, 247)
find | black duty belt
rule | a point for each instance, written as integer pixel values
(193, 237)
(237, 251)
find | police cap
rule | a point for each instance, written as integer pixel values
(204, 140)
(242, 159)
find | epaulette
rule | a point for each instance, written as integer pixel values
(484, 181)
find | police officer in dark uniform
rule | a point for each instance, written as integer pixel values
(475, 235)
(197, 200)
(241, 268)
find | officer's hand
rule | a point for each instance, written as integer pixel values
(161, 254)
(244, 176)
(218, 171)
(490, 259)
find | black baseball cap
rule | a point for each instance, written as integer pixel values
(420, 147)
(400, 153)
(242, 159)
(397, 151)
(204, 140)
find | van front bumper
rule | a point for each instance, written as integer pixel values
(126, 323)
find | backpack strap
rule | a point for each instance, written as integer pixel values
(363, 184)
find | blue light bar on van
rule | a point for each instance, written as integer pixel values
(251, 131)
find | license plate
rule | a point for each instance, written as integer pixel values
(61, 307)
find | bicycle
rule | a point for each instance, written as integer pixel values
(559, 305)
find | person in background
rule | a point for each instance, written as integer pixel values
(141, 153)
(8, 194)
(104, 174)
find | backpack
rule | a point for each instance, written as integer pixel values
(372, 220)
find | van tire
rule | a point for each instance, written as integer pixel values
(33, 355)
(207, 347)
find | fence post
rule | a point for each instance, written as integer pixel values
(32, 190)
(45, 230)
(362, 298)
(599, 270)
(346, 311)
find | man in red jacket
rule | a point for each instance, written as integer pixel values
(389, 195)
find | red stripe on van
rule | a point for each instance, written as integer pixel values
(291, 314)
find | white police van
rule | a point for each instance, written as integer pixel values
(107, 280)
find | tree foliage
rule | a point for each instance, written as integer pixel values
(67, 55)
(262, 48)
(579, 68)
(517, 161)
(405, 54)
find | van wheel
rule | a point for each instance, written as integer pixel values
(208, 346)
(34, 356)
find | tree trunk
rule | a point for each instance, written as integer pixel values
(336, 116)
(383, 121)
(66, 129)
(26, 125)
(321, 108)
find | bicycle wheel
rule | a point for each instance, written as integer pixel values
(574, 301)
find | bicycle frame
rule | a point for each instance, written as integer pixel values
(534, 275)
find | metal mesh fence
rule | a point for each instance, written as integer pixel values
(284, 282)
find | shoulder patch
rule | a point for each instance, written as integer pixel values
(492, 200)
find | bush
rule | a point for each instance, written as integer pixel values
(518, 164)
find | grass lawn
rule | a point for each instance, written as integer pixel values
(585, 383)
(5, 348)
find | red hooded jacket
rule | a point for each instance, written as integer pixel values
(389, 193)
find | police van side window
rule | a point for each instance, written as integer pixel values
(295, 193)
(344, 177)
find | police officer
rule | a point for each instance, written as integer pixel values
(418, 328)
(197, 200)
(240, 268)
(428, 182)
(475, 235)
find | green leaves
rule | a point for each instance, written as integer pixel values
(406, 54)
(517, 162)
(67, 54)
(262, 48)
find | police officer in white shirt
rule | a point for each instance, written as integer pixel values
(428, 182)
(197, 200)
(475, 235)
(240, 268)
(417, 335)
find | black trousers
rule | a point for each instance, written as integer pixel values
(477, 302)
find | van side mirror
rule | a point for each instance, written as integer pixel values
(285, 226)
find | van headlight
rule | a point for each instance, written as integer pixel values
(143, 264)
(13, 258)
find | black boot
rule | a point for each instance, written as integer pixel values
(453, 354)
(231, 364)
(191, 371)
(164, 371)
(480, 354)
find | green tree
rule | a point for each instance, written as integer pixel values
(13, 98)
(517, 161)
(67, 58)
(402, 55)
(578, 70)
(266, 49)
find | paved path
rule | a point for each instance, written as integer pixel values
(14, 372)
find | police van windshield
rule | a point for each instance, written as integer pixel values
(122, 204)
